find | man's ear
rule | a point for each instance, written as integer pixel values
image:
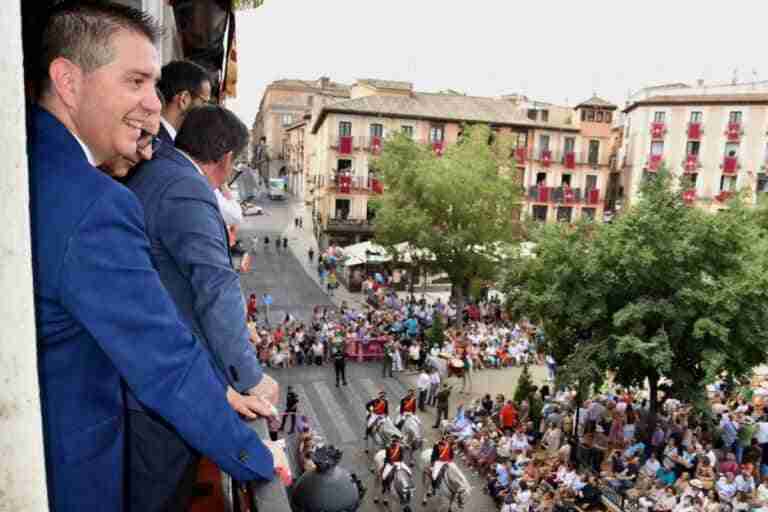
(66, 80)
(183, 100)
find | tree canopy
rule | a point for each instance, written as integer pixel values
(246, 4)
(665, 291)
(460, 207)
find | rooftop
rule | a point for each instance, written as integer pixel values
(702, 99)
(386, 84)
(596, 101)
(440, 107)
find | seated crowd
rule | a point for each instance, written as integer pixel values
(680, 462)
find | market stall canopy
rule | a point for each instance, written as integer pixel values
(371, 253)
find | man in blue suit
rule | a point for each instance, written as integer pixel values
(190, 252)
(104, 321)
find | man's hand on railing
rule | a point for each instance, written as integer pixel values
(245, 264)
(250, 407)
(267, 388)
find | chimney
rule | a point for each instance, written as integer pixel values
(324, 81)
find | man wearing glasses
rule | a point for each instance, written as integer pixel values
(185, 85)
(189, 250)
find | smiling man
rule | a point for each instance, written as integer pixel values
(104, 320)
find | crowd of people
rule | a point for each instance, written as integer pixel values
(545, 453)
(614, 449)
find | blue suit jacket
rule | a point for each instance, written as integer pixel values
(190, 251)
(102, 314)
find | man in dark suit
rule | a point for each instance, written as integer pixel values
(190, 252)
(104, 321)
(184, 86)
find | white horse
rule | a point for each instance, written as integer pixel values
(452, 484)
(383, 431)
(401, 488)
(413, 438)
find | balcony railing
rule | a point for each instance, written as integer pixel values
(346, 144)
(373, 144)
(521, 155)
(255, 496)
(691, 163)
(689, 196)
(560, 195)
(694, 131)
(344, 183)
(539, 194)
(658, 130)
(569, 160)
(593, 196)
(354, 225)
(654, 162)
(724, 196)
(730, 165)
(734, 132)
(545, 157)
(566, 195)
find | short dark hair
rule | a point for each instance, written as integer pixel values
(81, 31)
(181, 75)
(211, 131)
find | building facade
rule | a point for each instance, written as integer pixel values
(285, 103)
(562, 154)
(713, 139)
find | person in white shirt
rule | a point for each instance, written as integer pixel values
(423, 383)
(434, 385)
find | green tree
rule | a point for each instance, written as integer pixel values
(664, 291)
(247, 4)
(525, 388)
(436, 333)
(461, 207)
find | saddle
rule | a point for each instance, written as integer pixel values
(441, 475)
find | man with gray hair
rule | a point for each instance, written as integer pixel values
(105, 323)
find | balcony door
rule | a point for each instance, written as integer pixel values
(342, 208)
(345, 129)
(569, 145)
(594, 152)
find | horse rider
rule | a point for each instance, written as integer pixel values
(407, 406)
(377, 409)
(442, 453)
(392, 456)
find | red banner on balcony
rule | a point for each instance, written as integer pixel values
(377, 186)
(546, 157)
(568, 194)
(655, 162)
(345, 184)
(734, 131)
(694, 131)
(345, 145)
(593, 196)
(375, 145)
(438, 147)
(730, 164)
(520, 156)
(689, 196)
(570, 160)
(691, 163)
(657, 130)
(543, 194)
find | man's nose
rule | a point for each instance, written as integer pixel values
(151, 102)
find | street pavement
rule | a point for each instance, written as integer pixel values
(338, 414)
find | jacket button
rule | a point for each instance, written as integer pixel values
(243, 457)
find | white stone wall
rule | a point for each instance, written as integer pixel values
(22, 473)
